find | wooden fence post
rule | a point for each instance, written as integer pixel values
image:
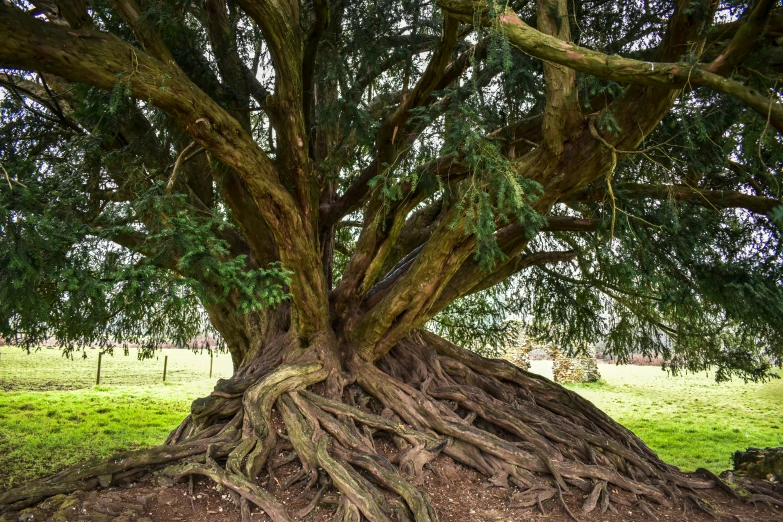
(211, 358)
(165, 364)
(98, 379)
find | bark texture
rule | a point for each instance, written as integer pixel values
(426, 397)
(346, 362)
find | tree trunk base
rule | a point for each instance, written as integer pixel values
(366, 432)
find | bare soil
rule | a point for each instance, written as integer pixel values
(458, 493)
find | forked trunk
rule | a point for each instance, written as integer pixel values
(427, 397)
(340, 366)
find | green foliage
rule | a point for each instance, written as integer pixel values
(698, 285)
(477, 323)
(495, 193)
(132, 271)
(204, 259)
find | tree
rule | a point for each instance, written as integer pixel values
(317, 181)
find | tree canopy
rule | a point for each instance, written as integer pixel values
(606, 171)
(320, 181)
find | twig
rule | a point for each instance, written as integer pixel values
(183, 157)
(594, 133)
(9, 180)
(766, 125)
(7, 177)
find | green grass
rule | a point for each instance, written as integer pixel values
(690, 421)
(52, 414)
(46, 369)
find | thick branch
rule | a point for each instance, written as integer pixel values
(562, 116)
(103, 60)
(408, 303)
(723, 32)
(321, 12)
(279, 22)
(231, 68)
(144, 31)
(75, 13)
(420, 227)
(471, 278)
(617, 68)
(518, 264)
(570, 224)
(745, 39)
(510, 239)
(351, 199)
(387, 134)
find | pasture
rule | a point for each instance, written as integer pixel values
(690, 420)
(52, 414)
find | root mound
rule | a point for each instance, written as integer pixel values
(431, 429)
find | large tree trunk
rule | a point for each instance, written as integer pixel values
(425, 395)
(337, 368)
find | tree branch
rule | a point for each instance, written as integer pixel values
(570, 224)
(103, 60)
(723, 32)
(418, 44)
(562, 116)
(358, 191)
(321, 23)
(232, 70)
(715, 199)
(413, 292)
(279, 22)
(418, 229)
(745, 39)
(75, 13)
(145, 33)
(516, 265)
(387, 134)
(407, 305)
(351, 199)
(617, 68)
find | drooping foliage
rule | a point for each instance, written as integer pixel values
(117, 227)
(320, 181)
(89, 259)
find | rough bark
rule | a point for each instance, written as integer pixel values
(339, 369)
(427, 396)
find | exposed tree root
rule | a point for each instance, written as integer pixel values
(427, 397)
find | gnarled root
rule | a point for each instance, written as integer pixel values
(424, 398)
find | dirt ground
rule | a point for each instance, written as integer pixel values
(459, 494)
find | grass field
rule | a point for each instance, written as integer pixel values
(53, 415)
(690, 421)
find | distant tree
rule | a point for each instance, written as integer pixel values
(317, 181)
